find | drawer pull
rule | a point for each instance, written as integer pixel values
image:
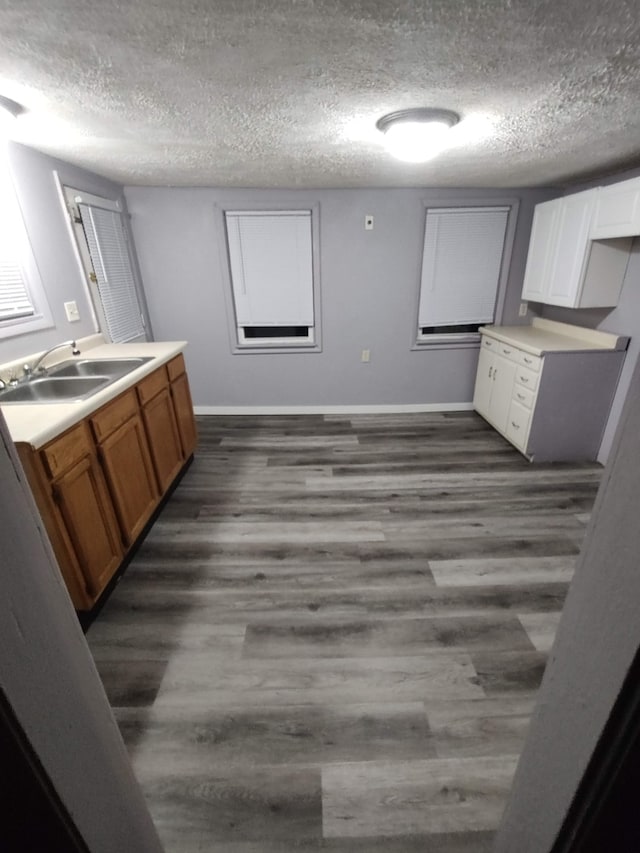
(488, 343)
(490, 370)
(524, 379)
(528, 360)
(515, 425)
(520, 396)
(506, 351)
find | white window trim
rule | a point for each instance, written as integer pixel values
(462, 340)
(42, 317)
(70, 198)
(262, 346)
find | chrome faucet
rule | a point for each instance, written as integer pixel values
(30, 369)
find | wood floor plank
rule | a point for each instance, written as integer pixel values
(437, 795)
(332, 637)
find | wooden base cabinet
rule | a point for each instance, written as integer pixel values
(97, 485)
(182, 404)
(70, 490)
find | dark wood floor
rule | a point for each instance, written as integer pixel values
(333, 636)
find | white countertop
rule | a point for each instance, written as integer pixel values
(38, 423)
(544, 336)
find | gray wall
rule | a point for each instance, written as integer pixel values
(369, 288)
(33, 176)
(597, 640)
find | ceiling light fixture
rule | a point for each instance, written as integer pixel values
(416, 135)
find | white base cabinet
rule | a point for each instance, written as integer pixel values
(553, 405)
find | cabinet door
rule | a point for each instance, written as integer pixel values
(502, 378)
(541, 247)
(184, 414)
(571, 249)
(164, 440)
(85, 506)
(617, 212)
(482, 392)
(132, 483)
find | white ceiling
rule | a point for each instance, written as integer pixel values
(286, 93)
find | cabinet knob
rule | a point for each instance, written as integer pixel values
(515, 425)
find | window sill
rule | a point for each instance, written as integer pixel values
(447, 342)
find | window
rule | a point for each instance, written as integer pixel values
(101, 239)
(463, 264)
(271, 263)
(23, 305)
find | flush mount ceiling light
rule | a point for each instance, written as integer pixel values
(416, 135)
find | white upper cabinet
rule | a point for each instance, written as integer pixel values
(617, 212)
(541, 245)
(565, 266)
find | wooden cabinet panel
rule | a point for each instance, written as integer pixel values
(107, 419)
(66, 450)
(176, 367)
(184, 414)
(541, 246)
(84, 503)
(617, 211)
(152, 385)
(164, 440)
(132, 483)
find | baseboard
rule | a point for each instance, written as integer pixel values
(391, 408)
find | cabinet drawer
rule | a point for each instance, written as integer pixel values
(114, 414)
(489, 343)
(532, 362)
(527, 378)
(518, 425)
(152, 384)
(176, 367)
(523, 396)
(65, 451)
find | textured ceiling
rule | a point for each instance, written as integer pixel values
(286, 93)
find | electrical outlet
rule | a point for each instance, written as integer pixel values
(523, 309)
(366, 356)
(71, 310)
(368, 222)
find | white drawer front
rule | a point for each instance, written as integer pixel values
(489, 343)
(523, 396)
(531, 362)
(508, 351)
(518, 425)
(527, 378)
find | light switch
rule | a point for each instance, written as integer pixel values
(71, 310)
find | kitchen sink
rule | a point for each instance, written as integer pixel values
(51, 389)
(114, 368)
(71, 381)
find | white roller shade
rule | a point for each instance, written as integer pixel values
(461, 265)
(116, 284)
(271, 267)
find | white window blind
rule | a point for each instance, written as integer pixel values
(270, 255)
(115, 281)
(461, 265)
(15, 301)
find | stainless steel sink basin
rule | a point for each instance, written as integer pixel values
(51, 389)
(71, 381)
(114, 368)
